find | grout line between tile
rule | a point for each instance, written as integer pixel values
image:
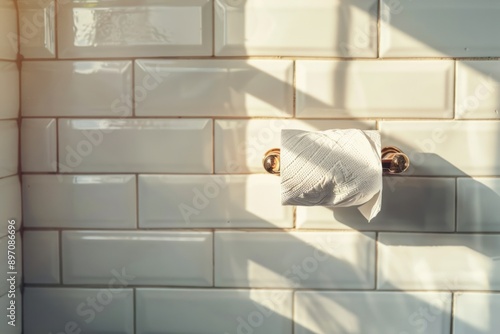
(247, 288)
(258, 230)
(257, 57)
(242, 174)
(272, 117)
(245, 58)
(18, 60)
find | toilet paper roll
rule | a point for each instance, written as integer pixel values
(334, 168)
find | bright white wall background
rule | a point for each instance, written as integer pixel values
(146, 209)
(10, 187)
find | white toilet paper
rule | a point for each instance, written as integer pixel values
(334, 168)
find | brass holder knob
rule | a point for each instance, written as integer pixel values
(394, 161)
(271, 161)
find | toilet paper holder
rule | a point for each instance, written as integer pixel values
(393, 160)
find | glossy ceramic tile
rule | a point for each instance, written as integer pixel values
(79, 201)
(39, 145)
(478, 88)
(476, 313)
(446, 147)
(37, 28)
(374, 312)
(214, 88)
(6, 271)
(138, 145)
(41, 257)
(296, 28)
(338, 260)
(77, 88)
(375, 88)
(9, 141)
(408, 204)
(144, 258)
(477, 203)
(133, 28)
(8, 30)
(435, 28)
(438, 261)
(9, 90)
(240, 144)
(10, 203)
(5, 328)
(214, 311)
(229, 201)
(55, 310)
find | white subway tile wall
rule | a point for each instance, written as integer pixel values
(10, 203)
(9, 143)
(372, 312)
(138, 145)
(439, 261)
(41, 257)
(76, 310)
(8, 30)
(347, 89)
(449, 148)
(432, 209)
(214, 87)
(478, 87)
(296, 28)
(300, 259)
(80, 201)
(37, 34)
(134, 28)
(76, 88)
(428, 28)
(149, 258)
(9, 90)
(39, 145)
(212, 201)
(477, 204)
(11, 265)
(201, 311)
(146, 207)
(474, 313)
